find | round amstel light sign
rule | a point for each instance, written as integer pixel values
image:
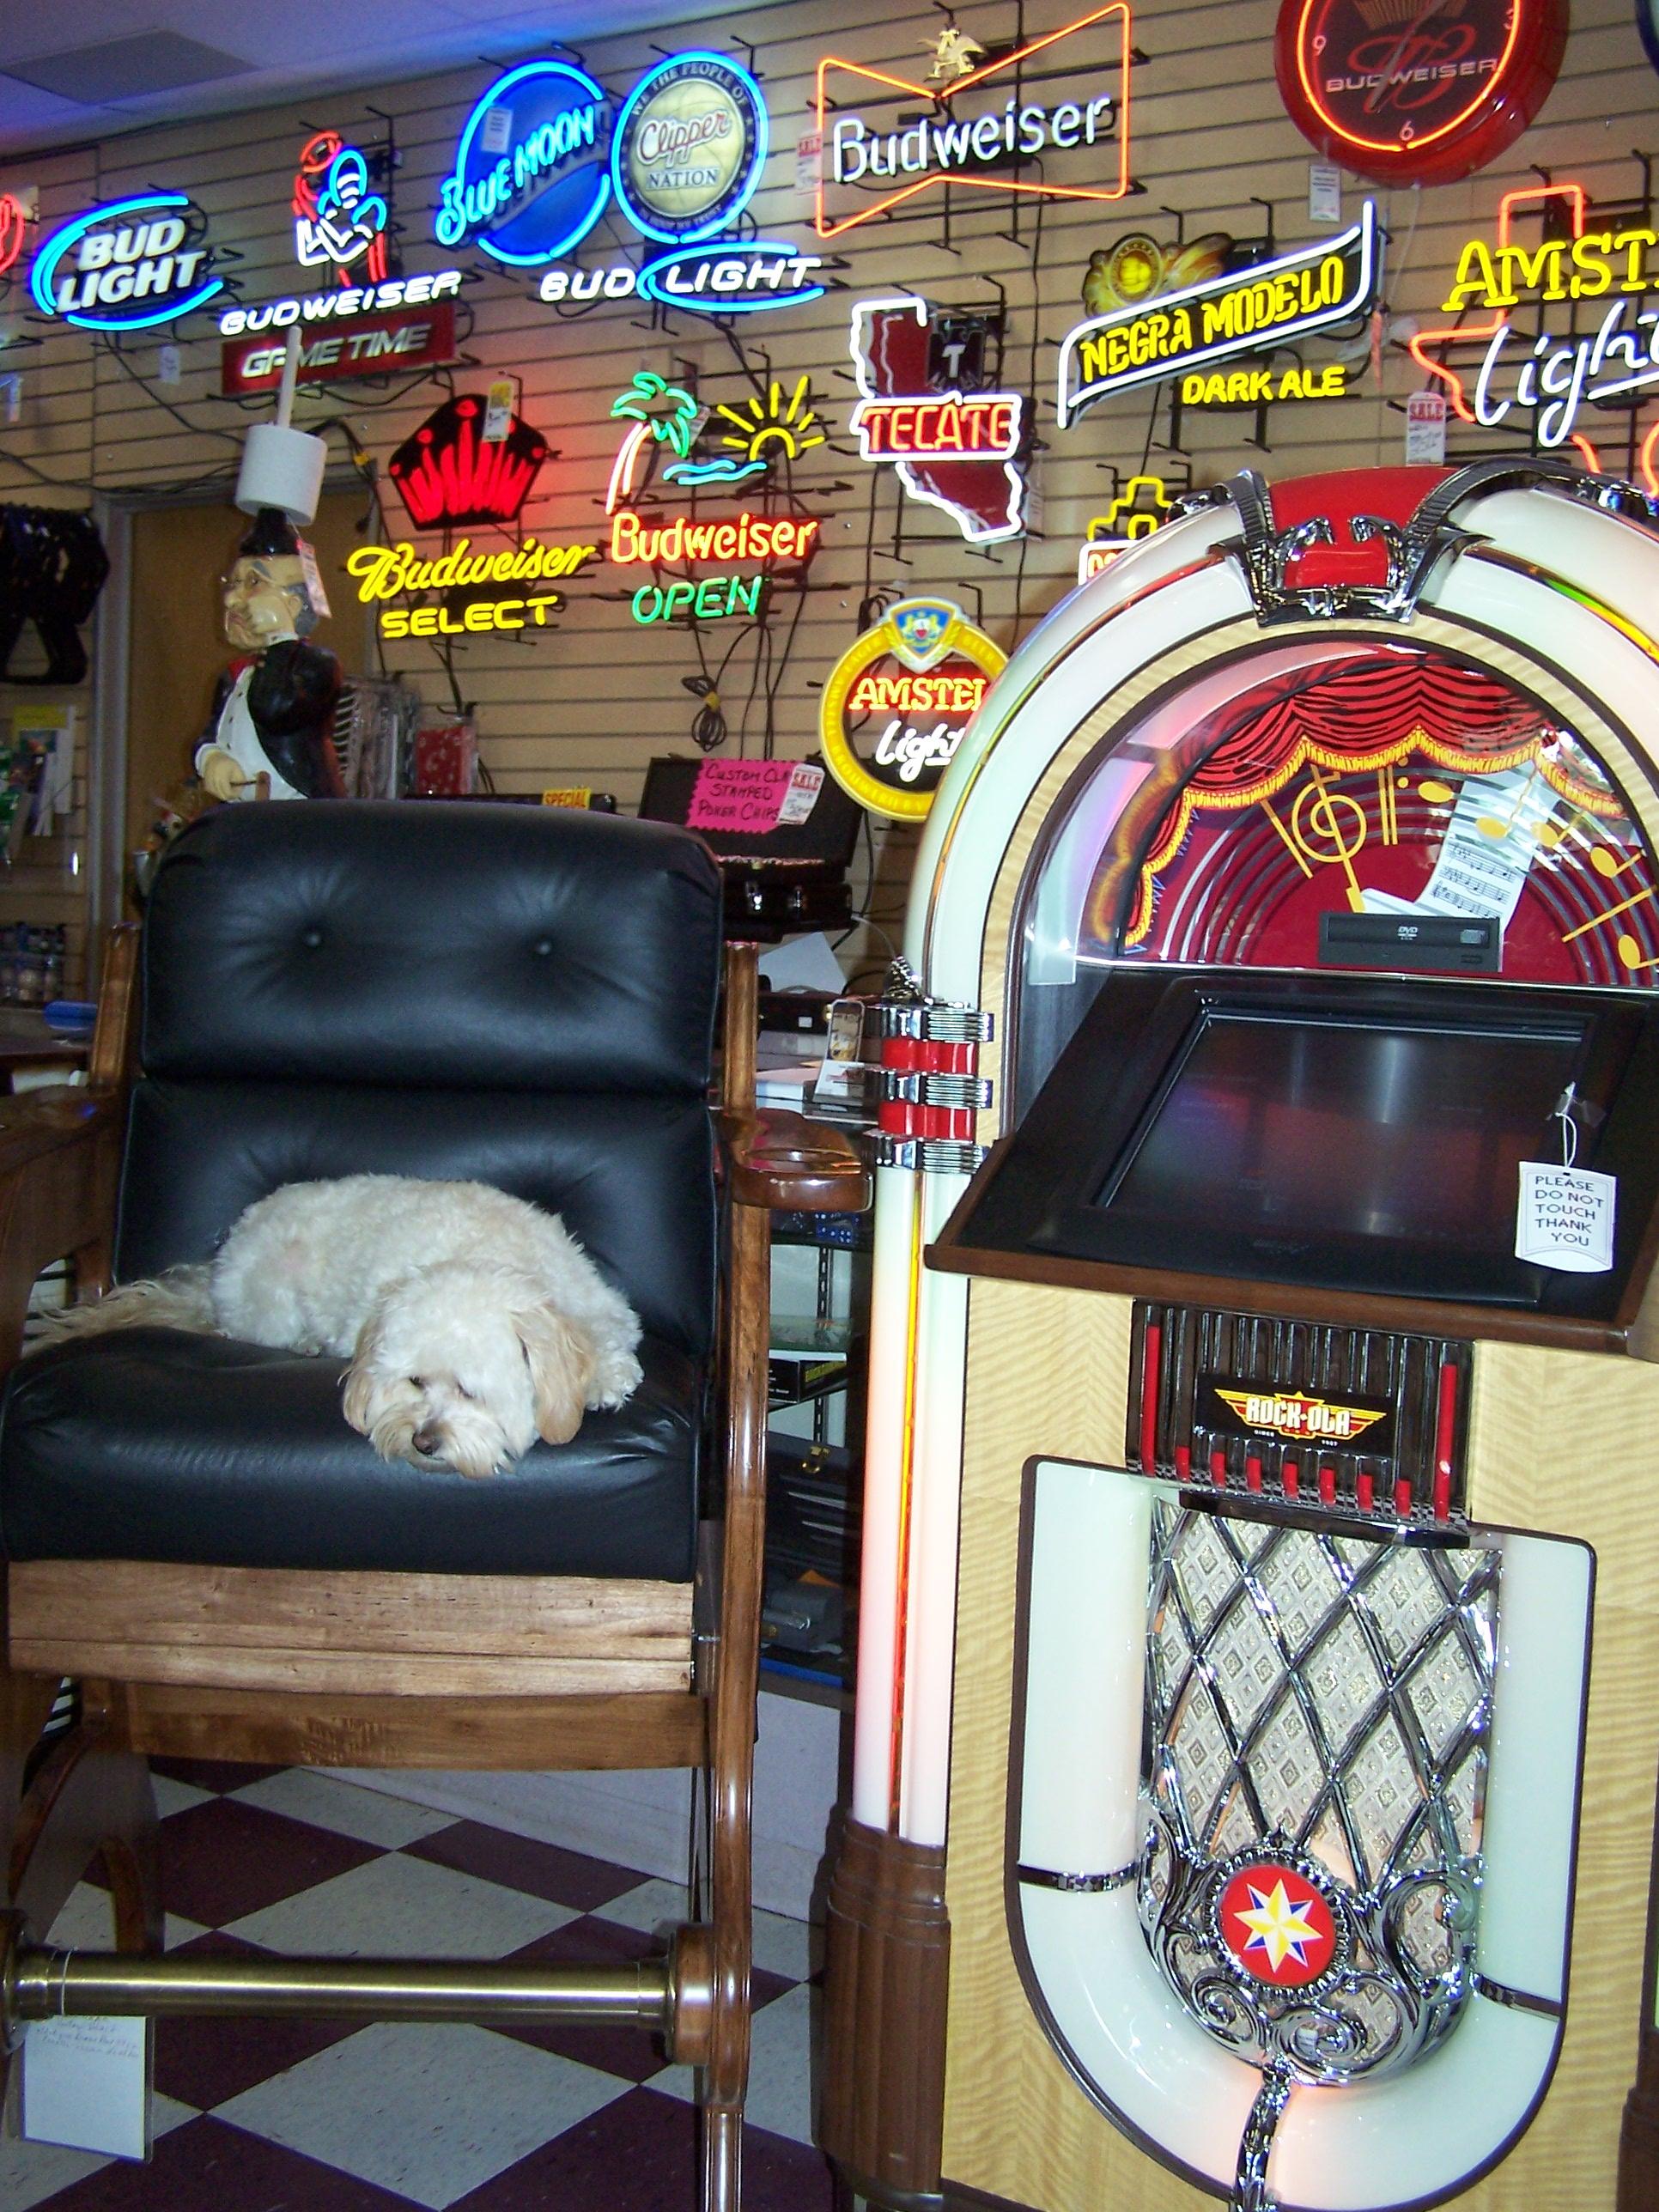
(898, 703)
(689, 146)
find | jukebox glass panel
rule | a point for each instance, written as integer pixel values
(1337, 804)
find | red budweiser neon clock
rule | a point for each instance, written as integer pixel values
(448, 473)
(1417, 91)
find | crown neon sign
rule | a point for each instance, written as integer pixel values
(1557, 373)
(447, 473)
(980, 153)
(1142, 506)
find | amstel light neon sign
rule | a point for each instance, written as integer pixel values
(1247, 311)
(1551, 375)
(898, 703)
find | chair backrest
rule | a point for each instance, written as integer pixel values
(522, 996)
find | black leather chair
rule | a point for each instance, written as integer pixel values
(192, 1533)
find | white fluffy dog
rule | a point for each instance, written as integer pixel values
(474, 1322)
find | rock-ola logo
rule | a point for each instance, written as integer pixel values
(1291, 1414)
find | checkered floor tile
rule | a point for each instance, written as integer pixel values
(294, 2116)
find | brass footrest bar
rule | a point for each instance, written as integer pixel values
(44, 1983)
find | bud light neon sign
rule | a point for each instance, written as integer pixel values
(532, 174)
(127, 265)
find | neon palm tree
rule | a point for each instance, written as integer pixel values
(660, 410)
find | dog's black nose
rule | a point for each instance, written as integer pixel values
(426, 1441)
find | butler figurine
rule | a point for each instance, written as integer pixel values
(271, 736)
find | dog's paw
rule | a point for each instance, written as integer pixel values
(616, 1378)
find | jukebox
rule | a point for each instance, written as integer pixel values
(1258, 1699)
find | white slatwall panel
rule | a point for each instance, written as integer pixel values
(593, 701)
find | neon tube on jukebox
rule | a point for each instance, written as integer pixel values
(1262, 1361)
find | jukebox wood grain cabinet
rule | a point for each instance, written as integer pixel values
(1256, 1742)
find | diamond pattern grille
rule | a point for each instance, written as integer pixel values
(1332, 1690)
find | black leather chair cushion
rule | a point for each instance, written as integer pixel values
(502, 947)
(632, 1176)
(155, 1445)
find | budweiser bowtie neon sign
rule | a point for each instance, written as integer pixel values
(13, 228)
(978, 131)
(953, 450)
(1613, 356)
(1246, 311)
(449, 474)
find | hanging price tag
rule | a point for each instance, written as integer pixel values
(1565, 1219)
(1425, 429)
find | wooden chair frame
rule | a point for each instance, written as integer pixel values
(364, 1669)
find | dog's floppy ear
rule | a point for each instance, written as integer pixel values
(360, 1380)
(561, 1356)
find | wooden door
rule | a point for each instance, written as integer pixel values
(178, 651)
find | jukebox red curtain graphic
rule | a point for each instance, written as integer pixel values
(1396, 784)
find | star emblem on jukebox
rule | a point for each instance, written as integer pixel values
(1275, 1924)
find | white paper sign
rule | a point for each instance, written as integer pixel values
(1565, 1219)
(804, 784)
(496, 135)
(1425, 429)
(809, 154)
(1324, 192)
(85, 2084)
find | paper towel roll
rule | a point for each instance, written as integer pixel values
(282, 468)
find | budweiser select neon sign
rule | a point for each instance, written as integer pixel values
(1611, 355)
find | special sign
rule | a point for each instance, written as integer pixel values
(1247, 311)
(898, 703)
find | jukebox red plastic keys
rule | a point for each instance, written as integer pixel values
(1152, 1363)
(1445, 1423)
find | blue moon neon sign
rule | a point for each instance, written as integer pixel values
(532, 173)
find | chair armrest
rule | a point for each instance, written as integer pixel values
(58, 1153)
(783, 1162)
(54, 1119)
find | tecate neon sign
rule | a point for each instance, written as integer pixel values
(532, 174)
(127, 265)
(1246, 311)
(739, 276)
(952, 450)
